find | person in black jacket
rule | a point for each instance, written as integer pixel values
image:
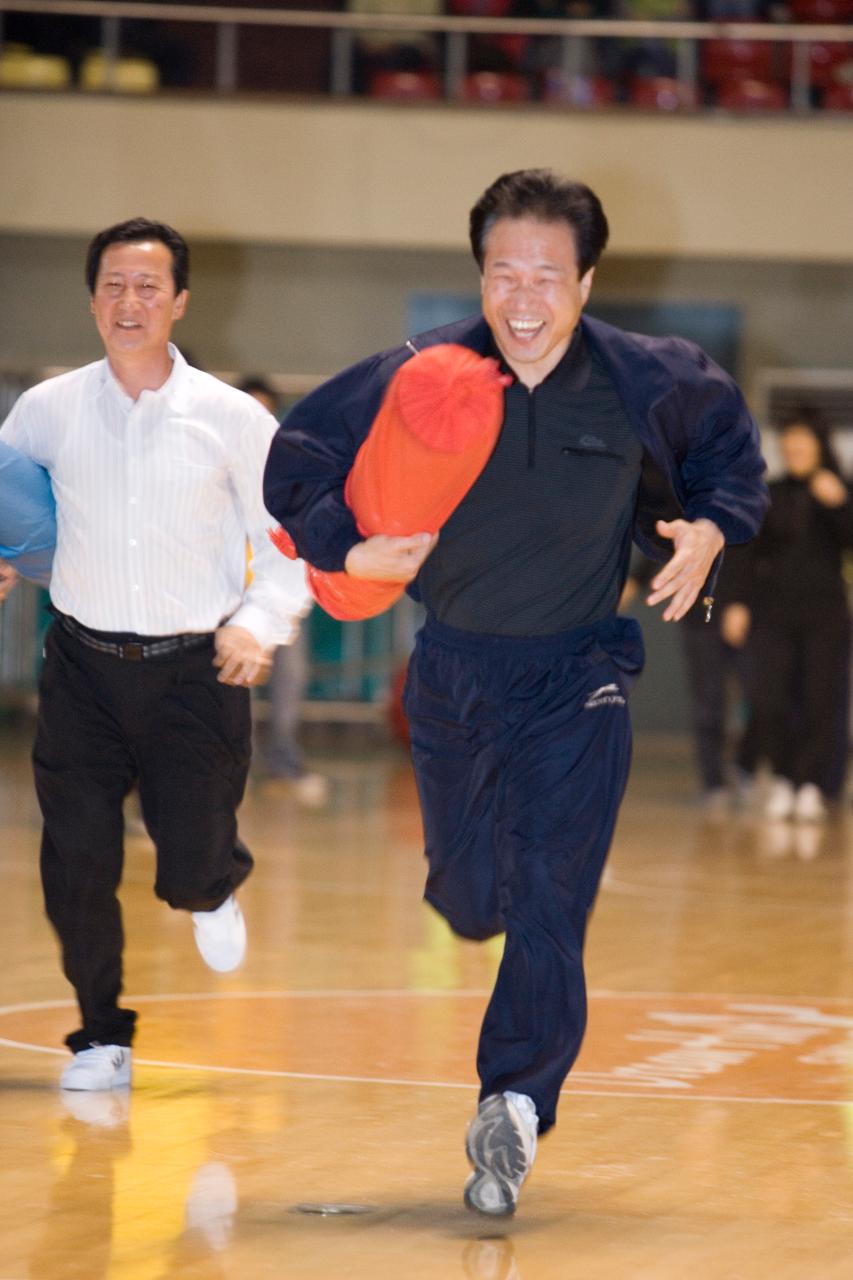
(792, 604)
(517, 689)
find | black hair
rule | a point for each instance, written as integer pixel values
(544, 195)
(254, 384)
(813, 421)
(134, 231)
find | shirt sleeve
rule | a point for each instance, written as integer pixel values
(277, 595)
(27, 508)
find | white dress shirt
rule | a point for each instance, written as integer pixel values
(155, 501)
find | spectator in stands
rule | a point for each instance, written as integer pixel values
(578, 57)
(642, 58)
(378, 51)
(791, 602)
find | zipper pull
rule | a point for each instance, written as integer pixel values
(708, 606)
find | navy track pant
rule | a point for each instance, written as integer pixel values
(521, 749)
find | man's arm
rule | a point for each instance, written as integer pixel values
(723, 472)
(721, 481)
(309, 461)
(277, 595)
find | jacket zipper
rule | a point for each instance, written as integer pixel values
(531, 430)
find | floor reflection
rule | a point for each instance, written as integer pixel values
(490, 1259)
(124, 1187)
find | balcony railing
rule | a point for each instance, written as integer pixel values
(345, 28)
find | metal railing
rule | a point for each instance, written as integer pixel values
(345, 27)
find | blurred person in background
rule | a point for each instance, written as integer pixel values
(790, 605)
(713, 667)
(278, 746)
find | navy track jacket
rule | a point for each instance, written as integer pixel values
(697, 433)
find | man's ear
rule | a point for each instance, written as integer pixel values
(179, 306)
(586, 283)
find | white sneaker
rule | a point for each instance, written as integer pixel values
(220, 936)
(809, 805)
(780, 800)
(501, 1146)
(104, 1066)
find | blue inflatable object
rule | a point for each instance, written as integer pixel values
(27, 515)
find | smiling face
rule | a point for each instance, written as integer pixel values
(134, 302)
(532, 293)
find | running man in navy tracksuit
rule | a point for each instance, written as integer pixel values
(517, 688)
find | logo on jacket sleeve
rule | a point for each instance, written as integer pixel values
(608, 695)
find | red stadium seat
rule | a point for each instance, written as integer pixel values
(405, 86)
(838, 97)
(479, 8)
(751, 95)
(824, 59)
(725, 60)
(577, 91)
(494, 86)
(821, 10)
(661, 93)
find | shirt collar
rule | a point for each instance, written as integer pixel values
(570, 374)
(170, 392)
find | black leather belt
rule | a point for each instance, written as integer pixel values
(132, 650)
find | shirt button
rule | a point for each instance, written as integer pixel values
(136, 586)
(133, 542)
(132, 501)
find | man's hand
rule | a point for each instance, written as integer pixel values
(386, 559)
(240, 658)
(8, 578)
(696, 543)
(828, 488)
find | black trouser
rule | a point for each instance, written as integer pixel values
(799, 684)
(709, 662)
(105, 722)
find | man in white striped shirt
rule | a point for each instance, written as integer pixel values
(156, 469)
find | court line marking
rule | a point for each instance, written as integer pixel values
(272, 1073)
(443, 1084)
(359, 993)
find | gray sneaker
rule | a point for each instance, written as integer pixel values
(501, 1145)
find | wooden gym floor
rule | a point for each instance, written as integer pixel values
(707, 1133)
